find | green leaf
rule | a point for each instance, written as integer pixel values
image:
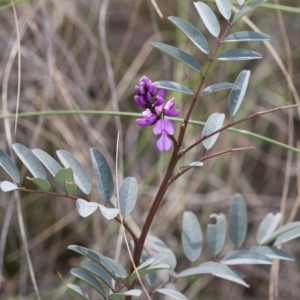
(208, 17)
(97, 271)
(195, 164)
(273, 253)
(216, 269)
(213, 123)
(238, 54)
(238, 220)
(247, 9)
(29, 160)
(158, 246)
(88, 278)
(81, 177)
(191, 236)
(178, 54)
(148, 270)
(174, 86)
(217, 87)
(237, 94)
(288, 235)
(245, 257)
(171, 293)
(78, 290)
(109, 213)
(246, 36)
(42, 183)
(9, 167)
(64, 178)
(48, 161)
(192, 33)
(86, 208)
(102, 173)
(128, 195)
(110, 266)
(216, 234)
(224, 8)
(267, 227)
(7, 186)
(133, 293)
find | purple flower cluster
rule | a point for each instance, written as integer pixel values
(155, 111)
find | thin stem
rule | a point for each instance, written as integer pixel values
(231, 124)
(206, 157)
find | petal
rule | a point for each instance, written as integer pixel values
(172, 112)
(158, 127)
(164, 143)
(147, 113)
(170, 104)
(140, 100)
(159, 109)
(169, 126)
(143, 122)
(159, 101)
(162, 93)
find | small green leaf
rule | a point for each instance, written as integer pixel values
(192, 33)
(88, 278)
(178, 54)
(217, 87)
(191, 236)
(238, 220)
(174, 86)
(97, 271)
(145, 271)
(81, 177)
(171, 293)
(7, 186)
(133, 293)
(128, 195)
(216, 269)
(247, 9)
(78, 290)
(159, 247)
(103, 177)
(42, 183)
(29, 160)
(288, 235)
(245, 257)
(246, 36)
(208, 17)
(9, 167)
(109, 213)
(267, 227)
(64, 178)
(216, 234)
(48, 161)
(110, 266)
(273, 253)
(213, 123)
(224, 8)
(195, 164)
(238, 54)
(85, 208)
(237, 94)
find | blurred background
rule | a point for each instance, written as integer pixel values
(89, 55)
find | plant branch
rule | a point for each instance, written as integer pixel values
(231, 124)
(206, 157)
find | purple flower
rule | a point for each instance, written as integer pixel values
(148, 118)
(169, 110)
(144, 91)
(164, 127)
